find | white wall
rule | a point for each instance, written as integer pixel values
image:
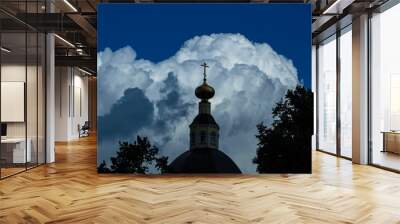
(61, 103)
(81, 112)
(71, 102)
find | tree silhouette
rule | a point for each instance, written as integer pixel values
(103, 168)
(135, 158)
(162, 164)
(285, 147)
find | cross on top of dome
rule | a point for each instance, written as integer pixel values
(204, 91)
(205, 66)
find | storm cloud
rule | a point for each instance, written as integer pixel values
(118, 122)
(249, 78)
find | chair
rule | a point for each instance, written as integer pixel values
(84, 130)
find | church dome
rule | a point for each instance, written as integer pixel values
(203, 155)
(205, 160)
(205, 91)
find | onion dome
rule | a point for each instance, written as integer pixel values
(204, 91)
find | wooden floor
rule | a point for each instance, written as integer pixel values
(70, 191)
(5, 172)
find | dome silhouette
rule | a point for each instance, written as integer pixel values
(204, 91)
(205, 160)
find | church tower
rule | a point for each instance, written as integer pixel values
(204, 130)
(203, 155)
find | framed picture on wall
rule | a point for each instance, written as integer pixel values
(204, 88)
(12, 101)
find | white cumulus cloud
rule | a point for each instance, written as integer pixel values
(249, 78)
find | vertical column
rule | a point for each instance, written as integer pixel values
(50, 98)
(360, 90)
(338, 91)
(316, 97)
(313, 89)
(50, 92)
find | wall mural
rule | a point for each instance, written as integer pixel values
(204, 88)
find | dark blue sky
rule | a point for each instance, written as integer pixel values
(157, 31)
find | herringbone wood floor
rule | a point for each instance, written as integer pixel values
(70, 191)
